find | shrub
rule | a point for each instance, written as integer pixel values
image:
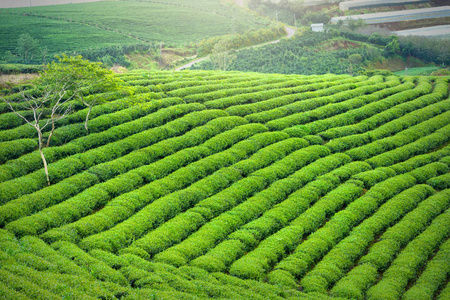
(14, 149)
(97, 268)
(440, 182)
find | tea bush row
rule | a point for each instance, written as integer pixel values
(26, 131)
(409, 92)
(9, 120)
(267, 251)
(121, 186)
(13, 149)
(247, 236)
(268, 83)
(67, 188)
(220, 227)
(55, 276)
(357, 211)
(73, 164)
(433, 277)
(347, 251)
(390, 127)
(410, 261)
(423, 145)
(322, 107)
(185, 223)
(254, 110)
(237, 82)
(223, 103)
(258, 262)
(171, 195)
(440, 182)
(378, 113)
(102, 131)
(382, 253)
(293, 104)
(82, 204)
(421, 160)
(429, 171)
(404, 137)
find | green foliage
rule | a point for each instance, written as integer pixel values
(27, 47)
(80, 78)
(440, 182)
(334, 185)
(301, 55)
(392, 48)
(20, 68)
(236, 41)
(13, 149)
(88, 27)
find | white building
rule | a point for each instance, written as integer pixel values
(318, 27)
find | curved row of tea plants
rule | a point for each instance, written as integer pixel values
(236, 186)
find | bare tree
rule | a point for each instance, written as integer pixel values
(82, 79)
(48, 107)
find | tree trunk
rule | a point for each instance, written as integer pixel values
(87, 119)
(42, 155)
(51, 132)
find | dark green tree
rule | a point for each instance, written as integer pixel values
(27, 47)
(392, 48)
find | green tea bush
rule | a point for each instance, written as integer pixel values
(50, 281)
(433, 277)
(60, 214)
(31, 290)
(440, 182)
(9, 120)
(420, 146)
(422, 174)
(299, 102)
(411, 259)
(382, 253)
(13, 149)
(354, 284)
(354, 245)
(97, 268)
(372, 177)
(31, 162)
(421, 160)
(182, 177)
(122, 147)
(46, 197)
(372, 111)
(62, 265)
(252, 86)
(298, 91)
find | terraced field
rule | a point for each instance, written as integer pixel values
(234, 186)
(83, 26)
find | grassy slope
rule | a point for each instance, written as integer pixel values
(285, 182)
(102, 23)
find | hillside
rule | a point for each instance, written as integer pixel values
(339, 52)
(232, 185)
(113, 26)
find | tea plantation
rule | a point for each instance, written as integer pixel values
(231, 185)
